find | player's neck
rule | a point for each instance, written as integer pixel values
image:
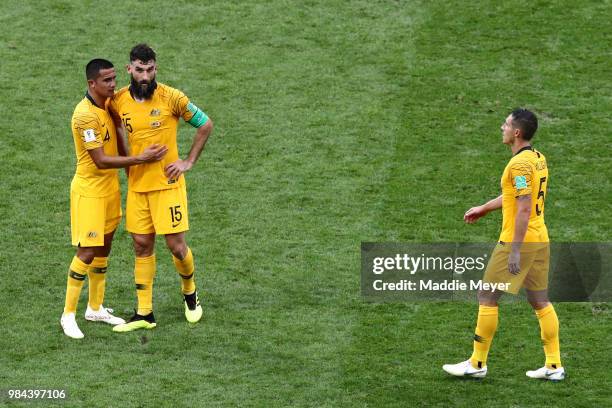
(518, 145)
(98, 100)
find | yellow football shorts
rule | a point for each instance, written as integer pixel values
(93, 217)
(161, 211)
(535, 259)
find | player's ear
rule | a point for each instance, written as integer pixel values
(128, 68)
(90, 83)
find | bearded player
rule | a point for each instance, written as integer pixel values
(95, 200)
(157, 194)
(521, 258)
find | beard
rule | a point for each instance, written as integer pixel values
(143, 89)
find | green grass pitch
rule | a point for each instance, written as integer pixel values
(336, 122)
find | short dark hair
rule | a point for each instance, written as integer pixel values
(142, 52)
(526, 121)
(93, 67)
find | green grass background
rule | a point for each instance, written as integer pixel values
(335, 123)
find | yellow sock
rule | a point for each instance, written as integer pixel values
(97, 281)
(549, 332)
(185, 269)
(485, 330)
(144, 273)
(76, 277)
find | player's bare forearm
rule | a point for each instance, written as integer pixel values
(475, 213)
(175, 169)
(521, 220)
(494, 204)
(150, 154)
(199, 141)
(122, 148)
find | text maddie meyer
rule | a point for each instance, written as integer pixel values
(445, 285)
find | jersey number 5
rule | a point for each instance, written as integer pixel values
(539, 208)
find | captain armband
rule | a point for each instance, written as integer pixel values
(199, 118)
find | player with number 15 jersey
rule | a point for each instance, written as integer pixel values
(149, 112)
(155, 120)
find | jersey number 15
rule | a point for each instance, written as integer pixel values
(127, 124)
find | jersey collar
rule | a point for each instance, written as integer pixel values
(524, 148)
(88, 96)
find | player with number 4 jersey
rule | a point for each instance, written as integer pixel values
(149, 112)
(95, 200)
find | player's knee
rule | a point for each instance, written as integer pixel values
(143, 247)
(142, 251)
(86, 255)
(178, 249)
(538, 299)
(487, 298)
(538, 304)
(103, 251)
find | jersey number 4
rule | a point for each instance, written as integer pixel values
(539, 208)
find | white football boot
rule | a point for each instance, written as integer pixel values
(102, 315)
(70, 327)
(465, 369)
(545, 373)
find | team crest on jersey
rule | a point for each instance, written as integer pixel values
(155, 112)
(155, 124)
(520, 182)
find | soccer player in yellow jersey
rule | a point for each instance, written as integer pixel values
(521, 258)
(95, 202)
(157, 197)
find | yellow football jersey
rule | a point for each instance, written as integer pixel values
(93, 127)
(152, 121)
(526, 173)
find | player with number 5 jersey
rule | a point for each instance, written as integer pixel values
(525, 174)
(521, 257)
(149, 112)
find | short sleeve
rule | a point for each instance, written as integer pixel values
(181, 106)
(178, 104)
(87, 127)
(521, 176)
